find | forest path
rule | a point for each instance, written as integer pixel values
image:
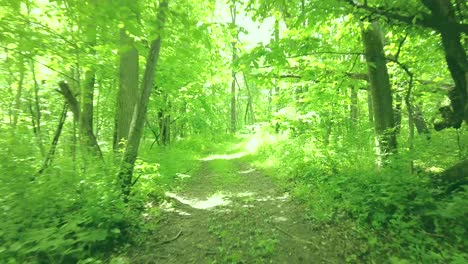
(230, 212)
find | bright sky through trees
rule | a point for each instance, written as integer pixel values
(258, 32)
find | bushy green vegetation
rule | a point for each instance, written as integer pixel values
(404, 217)
(62, 215)
(69, 213)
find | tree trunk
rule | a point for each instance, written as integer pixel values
(277, 80)
(370, 107)
(455, 55)
(84, 128)
(36, 111)
(249, 117)
(85, 117)
(128, 88)
(380, 90)
(354, 107)
(164, 127)
(19, 92)
(233, 73)
(138, 121)
(50, 155)
(420, 122)
(397, 112)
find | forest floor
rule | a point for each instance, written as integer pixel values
(229, 211)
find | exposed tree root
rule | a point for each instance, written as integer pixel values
(171, 239)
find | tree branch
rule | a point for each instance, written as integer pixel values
(400, 46)
(421, 19)
(43, 64)
(325, 52)
(70, 98)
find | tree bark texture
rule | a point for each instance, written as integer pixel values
(85, 117)
(380, 90)
(164, 127)
(74, 105)
(444, 18)
(128, 88)
(138, 121)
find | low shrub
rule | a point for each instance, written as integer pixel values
(403, 216)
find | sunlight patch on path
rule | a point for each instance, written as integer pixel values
(245, 194)
(217, 199)
(182, 176)
(220, 200)
(247, 171)
(169, 207)
(225, 157)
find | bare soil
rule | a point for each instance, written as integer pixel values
(231, 212)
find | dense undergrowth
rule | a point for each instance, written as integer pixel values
(401, 217)
(74, 212)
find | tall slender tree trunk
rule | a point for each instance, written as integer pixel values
(277, 80)
(380, 91)
(35, 110)
(370, 107)
(233, 72)
(354, 106)
(138, 121)
(85, 117)
(164, 118)
(397, 111)
(53, 146)
(19, 92)
(128, 89)
(249, 117)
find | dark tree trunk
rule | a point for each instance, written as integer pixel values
(164, 128)
(370, 107)
(50, 155)
(455, 55)
(87, 131)
(420, 123)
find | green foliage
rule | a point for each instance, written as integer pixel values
(60, 216)
(402, 215)
(67, 214)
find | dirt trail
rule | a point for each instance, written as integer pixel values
(230, 212)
